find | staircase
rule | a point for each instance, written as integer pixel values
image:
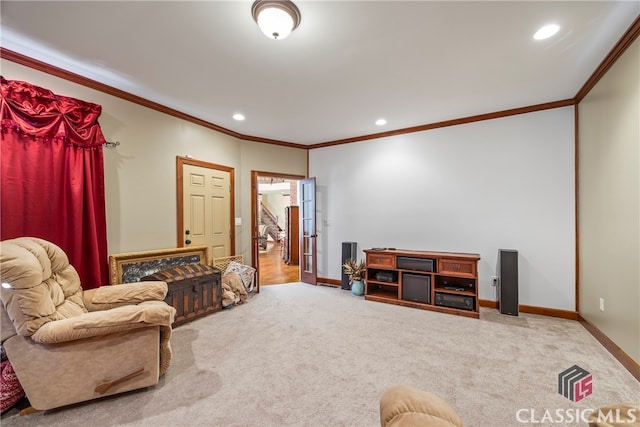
(271, 222)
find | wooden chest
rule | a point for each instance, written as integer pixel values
(194, 290)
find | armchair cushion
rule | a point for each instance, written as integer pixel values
(98, 323)
(107, 297)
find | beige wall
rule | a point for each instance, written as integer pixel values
(140, 174)
(609, 194)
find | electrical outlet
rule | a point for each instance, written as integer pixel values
(495, 280)
(601, 304)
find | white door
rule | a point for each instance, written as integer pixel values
(207, 209)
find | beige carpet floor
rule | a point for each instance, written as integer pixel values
(302, 355)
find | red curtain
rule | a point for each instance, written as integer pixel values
(52, 172)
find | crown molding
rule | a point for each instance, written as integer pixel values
(110, 90)
(453, 122)
(625, 41)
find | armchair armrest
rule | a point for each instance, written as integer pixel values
(108, 297)
(104, 322)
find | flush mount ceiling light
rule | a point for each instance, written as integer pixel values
(546, 32)
(276, 19)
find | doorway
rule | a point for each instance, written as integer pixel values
(275, 218)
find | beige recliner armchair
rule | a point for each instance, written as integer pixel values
(67, 345)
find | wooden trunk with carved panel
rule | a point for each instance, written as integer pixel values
(195, 290)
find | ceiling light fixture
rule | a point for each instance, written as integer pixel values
(381, 122)
(276, 19)
(546, 32)
(238, 116)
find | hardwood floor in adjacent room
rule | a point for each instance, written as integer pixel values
(273, 269)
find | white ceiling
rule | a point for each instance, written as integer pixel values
(346, 65)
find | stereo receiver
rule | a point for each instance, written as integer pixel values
(464, 302)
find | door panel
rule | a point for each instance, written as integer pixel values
(197, 215)
(207, 209)
(197, 180)
(308, 267)
(219, 226)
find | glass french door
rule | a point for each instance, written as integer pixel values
(308, 236)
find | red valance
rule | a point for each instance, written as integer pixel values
(39, 113)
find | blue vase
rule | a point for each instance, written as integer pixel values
(357, 287)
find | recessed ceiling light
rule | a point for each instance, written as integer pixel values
(546, 32)
(238, 116)
(381, 122)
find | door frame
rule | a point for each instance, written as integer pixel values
(255, 252)
(180, 162)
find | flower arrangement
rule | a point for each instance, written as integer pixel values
(354, 269)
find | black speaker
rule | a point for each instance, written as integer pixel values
(349, 250)
(507, 271)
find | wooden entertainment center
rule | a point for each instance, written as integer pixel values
(438, 281)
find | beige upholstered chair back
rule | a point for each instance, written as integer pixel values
(38, 284)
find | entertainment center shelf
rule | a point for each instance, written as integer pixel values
(438, 281)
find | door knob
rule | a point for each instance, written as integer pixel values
(187, 232)
(188, 242)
